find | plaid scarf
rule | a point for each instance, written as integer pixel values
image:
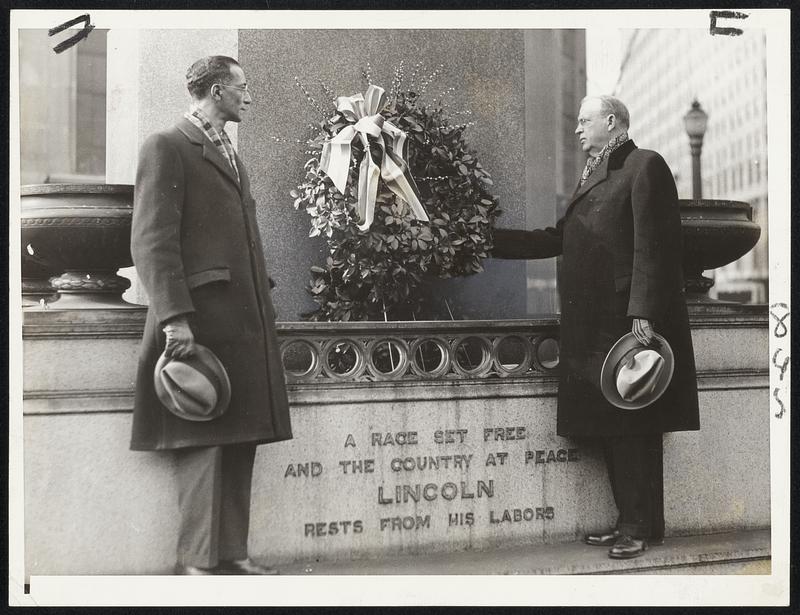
(593, 162)
(220, 140)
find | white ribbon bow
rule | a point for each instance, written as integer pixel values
(367, 121)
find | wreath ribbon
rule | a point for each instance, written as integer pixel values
(363, 112)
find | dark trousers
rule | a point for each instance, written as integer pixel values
(636, 470)
(214, 501)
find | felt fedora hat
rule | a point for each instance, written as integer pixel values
(195, 388)
(633, 375)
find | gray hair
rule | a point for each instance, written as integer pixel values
(609, 105)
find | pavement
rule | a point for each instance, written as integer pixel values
(742, 552)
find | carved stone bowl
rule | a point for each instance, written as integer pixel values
(715, 233)
(76, 236)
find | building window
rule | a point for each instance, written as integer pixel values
(62, 109)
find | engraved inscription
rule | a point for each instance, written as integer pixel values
(466, 519)
(516, 515)
(451, 478)
(357, 466)
(403, 494)
(298, 470)
(388, 439)
(548, 456)
(333, 528)
(405, 523)
(503, 433)
(494, 459)
(408, 464)
(449, 436)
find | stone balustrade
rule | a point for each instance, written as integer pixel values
(414, 351)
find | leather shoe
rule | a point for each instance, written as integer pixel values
(602, 539)
(193, 570)
(244, 566)
(627, 547)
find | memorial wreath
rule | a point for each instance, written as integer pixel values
(397, 194)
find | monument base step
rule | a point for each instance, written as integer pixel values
(743, 552)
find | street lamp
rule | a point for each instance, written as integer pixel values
(695, 122)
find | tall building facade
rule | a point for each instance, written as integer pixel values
(661, 72)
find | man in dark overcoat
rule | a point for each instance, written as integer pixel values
(620, 271)
(198, 253)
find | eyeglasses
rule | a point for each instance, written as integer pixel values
(241, 88)
(585, 120)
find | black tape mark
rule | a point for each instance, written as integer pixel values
(783, 408)
(782, 367)
(64, 45)
(781, 330)
(714, 29)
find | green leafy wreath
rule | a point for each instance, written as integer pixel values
(376, 273)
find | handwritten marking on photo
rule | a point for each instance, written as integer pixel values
(781, 330)
(66, 44)
(714, 29)
(784, 366)
(782, 411)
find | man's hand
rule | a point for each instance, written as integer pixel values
(643, 331)
(180, 339)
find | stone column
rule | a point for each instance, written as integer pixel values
(555, 83)
(147, 92)
(541, 118)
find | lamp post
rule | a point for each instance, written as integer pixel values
(695, 122)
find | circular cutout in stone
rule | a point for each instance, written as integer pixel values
(387, 357)
(512, 355)
(430, 357)
(546, 353)
(343, 359)
(472, 355)
(300, 358)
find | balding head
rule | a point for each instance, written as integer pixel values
(610, 105)
(600, 119)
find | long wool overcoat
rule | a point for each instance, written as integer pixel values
(197, 251)
(621, 247)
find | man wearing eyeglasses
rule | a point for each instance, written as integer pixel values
(620, 245)
(198, 252)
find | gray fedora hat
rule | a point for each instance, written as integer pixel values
(633, 376)
(195, 388)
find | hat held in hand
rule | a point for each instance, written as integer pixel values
(195, 388)
(634, 375)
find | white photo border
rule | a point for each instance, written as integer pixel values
(677, 590)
